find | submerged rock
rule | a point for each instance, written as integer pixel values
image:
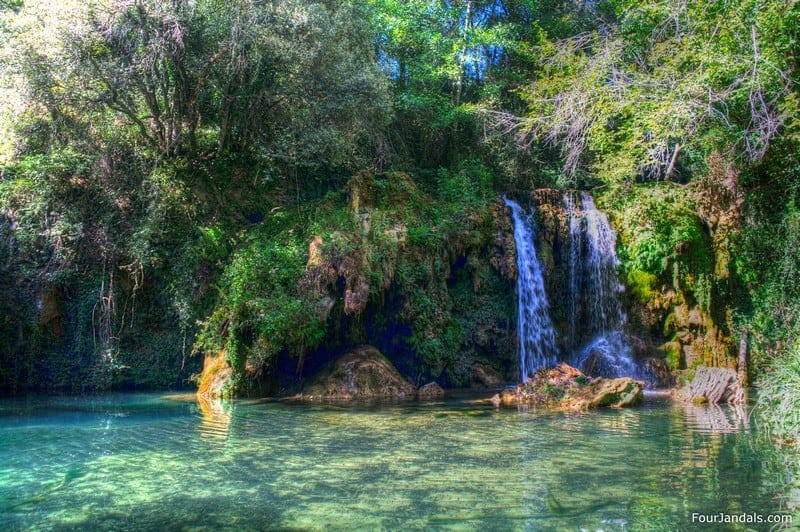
(361, 373)
(430, 391)
(567, 388)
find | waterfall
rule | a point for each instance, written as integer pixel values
(603, 288)
(537, 338)
(594, 338)
(607, 352)
(575, 245)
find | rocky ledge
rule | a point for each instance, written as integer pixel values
(566, 388)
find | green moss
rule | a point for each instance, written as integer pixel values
(669, 327)
(641, 285)
(553, 392)
(385, 234)
(261, 312)
(658, 228)
(672, 354)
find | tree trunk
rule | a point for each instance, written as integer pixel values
(456, 100)
(742, 366)
(672, 161)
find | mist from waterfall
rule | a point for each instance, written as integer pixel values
(537, 337)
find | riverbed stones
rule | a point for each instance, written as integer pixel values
(361, 373)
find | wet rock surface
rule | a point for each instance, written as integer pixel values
(485, 377)
(430, 391)
(566, 388)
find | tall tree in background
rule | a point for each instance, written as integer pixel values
(140, 124)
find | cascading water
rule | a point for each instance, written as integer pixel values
(603, 284)
(593, 281)
(537, 338)
(594, 339)
(574, 266)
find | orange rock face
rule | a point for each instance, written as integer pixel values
(216, 374)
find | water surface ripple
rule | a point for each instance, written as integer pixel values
(145, 462)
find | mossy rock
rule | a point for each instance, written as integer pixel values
(672, 354)
(641, 285)
(430, 391)
(361, 373)
(482, 376)
(566, 388)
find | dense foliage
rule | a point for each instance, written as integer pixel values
(165, 165)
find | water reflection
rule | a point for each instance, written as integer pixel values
(215, 418)
(717, 419)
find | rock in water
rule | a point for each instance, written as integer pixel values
(215, 381)
(482, 376)
(430, 391)
(567, 388)
(713, 386)
(361, 373)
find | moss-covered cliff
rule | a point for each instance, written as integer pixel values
(421, 274)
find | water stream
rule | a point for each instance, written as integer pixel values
(537, 338)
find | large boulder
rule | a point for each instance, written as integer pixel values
(361, 373)
(430, 391)
(566, 388)
(483, 376)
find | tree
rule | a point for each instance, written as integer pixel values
(657, 79)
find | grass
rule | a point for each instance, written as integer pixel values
(779, 397)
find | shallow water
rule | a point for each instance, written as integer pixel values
(146, 461)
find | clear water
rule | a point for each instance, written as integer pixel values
(537, 337)
(150, 462)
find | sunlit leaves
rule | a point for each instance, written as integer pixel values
(665, 79)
